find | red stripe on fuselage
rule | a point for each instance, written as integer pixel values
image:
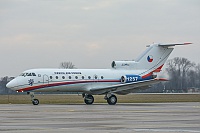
(31, 88)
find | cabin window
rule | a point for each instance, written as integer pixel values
(63, 77)
(56, 77)
(70, 77)
(102, 77)
(83, 77)
(89, 77)
(95, 77)
(50, 77)
(76, 77)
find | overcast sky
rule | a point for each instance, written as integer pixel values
(92, 33)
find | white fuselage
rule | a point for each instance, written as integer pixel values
(69, 80)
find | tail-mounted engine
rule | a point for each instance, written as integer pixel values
(123, 64)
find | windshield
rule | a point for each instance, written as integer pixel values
(27, 74)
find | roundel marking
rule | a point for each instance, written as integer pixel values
(150, 58)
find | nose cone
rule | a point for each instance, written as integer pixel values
(12, 84)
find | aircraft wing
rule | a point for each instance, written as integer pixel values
(125, 88)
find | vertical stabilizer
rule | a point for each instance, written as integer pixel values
(154, 57)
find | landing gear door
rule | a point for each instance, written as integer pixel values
(46, 79)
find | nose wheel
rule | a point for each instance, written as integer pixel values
(34, 101)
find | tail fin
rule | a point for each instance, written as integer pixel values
(154, 57)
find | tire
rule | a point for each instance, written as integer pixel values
(35, 102)
(112, 100)
(89, 99)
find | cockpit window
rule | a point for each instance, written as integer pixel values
(27, 74)
(33, 74)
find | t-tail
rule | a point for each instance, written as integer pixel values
(154, 57)
(151, 60)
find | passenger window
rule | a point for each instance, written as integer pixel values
(50, 77)
(102, 77)
(95, 77)
(56, 77)
(70, 77)
(89, 77)
(63, 77)
(83, 77)
(76, 77)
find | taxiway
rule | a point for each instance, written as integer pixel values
(98, 118)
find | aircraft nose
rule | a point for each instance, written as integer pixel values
(12, 84)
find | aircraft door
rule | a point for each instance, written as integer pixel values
(46, 79)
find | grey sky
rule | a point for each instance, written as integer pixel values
(92, 33)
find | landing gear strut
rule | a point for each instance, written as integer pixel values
(34, 101)
(88, 99)
(111, 99)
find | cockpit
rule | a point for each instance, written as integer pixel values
(27, 74)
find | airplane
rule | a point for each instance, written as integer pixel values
(123, 78)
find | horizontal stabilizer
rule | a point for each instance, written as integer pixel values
(173, 44)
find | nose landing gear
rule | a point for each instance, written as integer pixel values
(34, 101)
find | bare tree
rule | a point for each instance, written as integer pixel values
(197, 78)
(67, 65)
(178, 69)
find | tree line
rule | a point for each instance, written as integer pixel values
(183, 75)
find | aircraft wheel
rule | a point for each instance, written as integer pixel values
(35, 101)
(112, 100)
(89, 99)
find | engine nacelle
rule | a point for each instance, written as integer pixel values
(130, 78)
(123, 64)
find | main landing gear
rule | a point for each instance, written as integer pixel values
(89, 99)
(111, 99)
(34, 101)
